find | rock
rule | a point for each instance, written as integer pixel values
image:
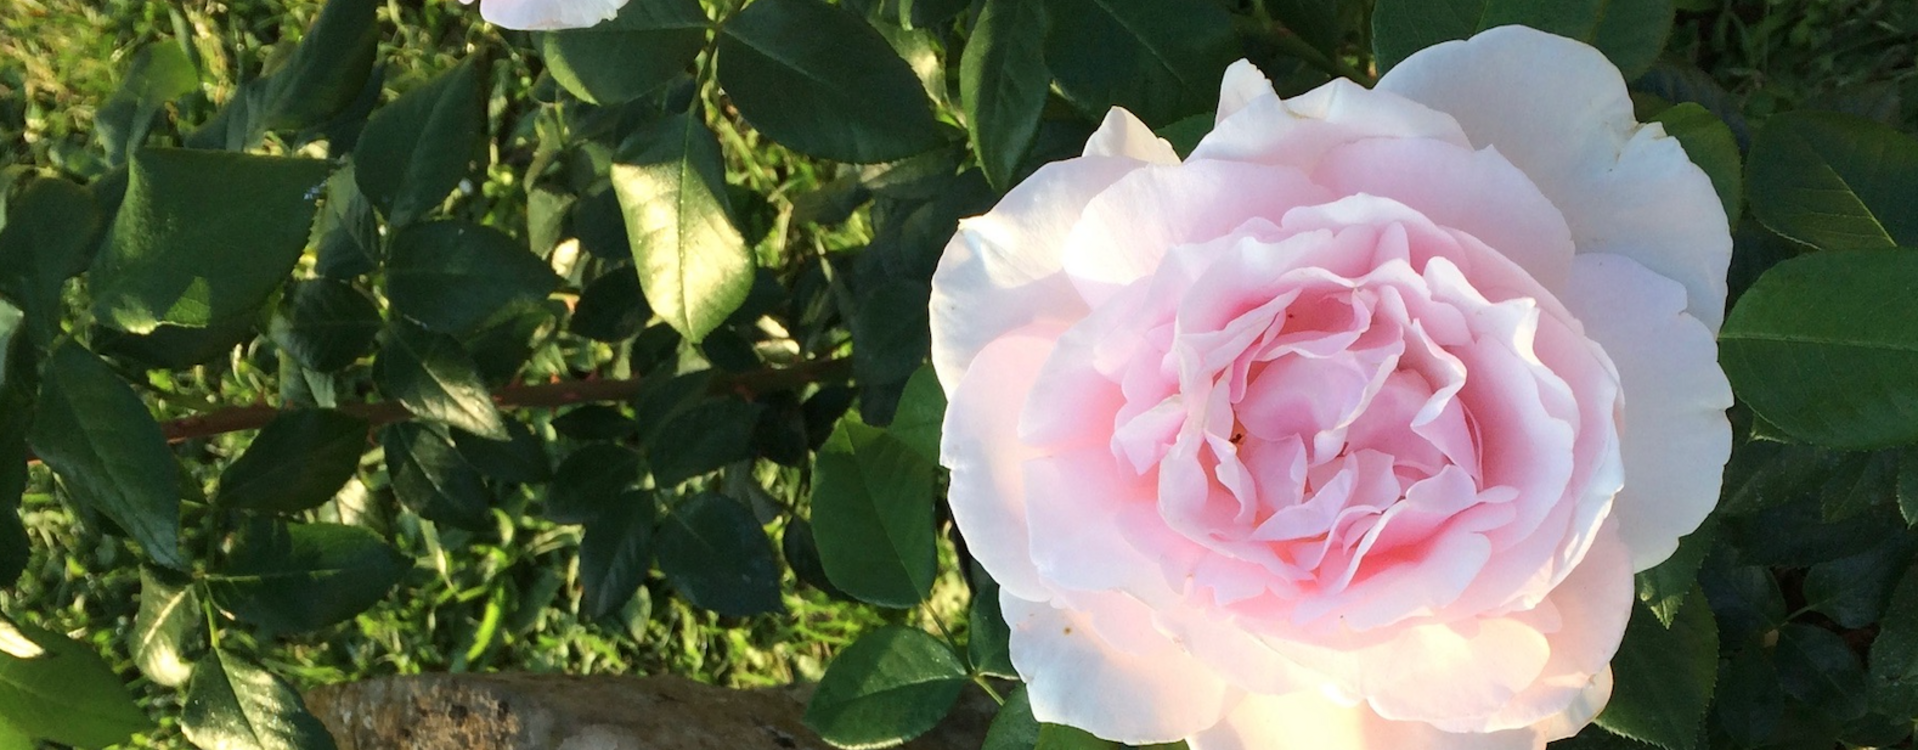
(562, 712)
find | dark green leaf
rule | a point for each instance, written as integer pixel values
(326, 325)
(988, 637)
(819, 80)
(522, 459)
(595, 422)
(1160, 59)
(611, 308)
(432, 478)
(1665, 587)
(702, 438)
(1630, 32)
(433, 377)
(349, 232)
(616, 552)
(1663, 678)
(55, 688)
(235, 704)
(1894, 653)
(416, 150)
(298, 461)
(328, 71)
(872, 513)
(1815, 666)
(1821, 347)
(48, 237)
(692, 262)
(890, 334)
(643, 48)
(1835, 181)
(93, 430)
(450, 276)
(1062, 737)
(801, 551)
(922, 411)
(179, 254)
(299, 577)
(1853, 591)
(591, 479)
(160, 72)
(1004, 84)
(714, 553)
(1709, 143)
(1013, 728)
(164, 630)
(1908, 484)
(662, 397)
(891, 685)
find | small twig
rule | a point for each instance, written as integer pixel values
(535, 396)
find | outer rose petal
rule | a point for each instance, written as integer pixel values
(1559, 110)
(1306, 720)
(981, 445)
(1254, 125)
(1674, 434)
(1001, 271)
(1074, 676)
(548, 14)
(1122, 134)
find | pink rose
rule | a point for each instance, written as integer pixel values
(1350, 430)
(543, 15)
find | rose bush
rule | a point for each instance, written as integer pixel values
(1349, 429)
(536, 15)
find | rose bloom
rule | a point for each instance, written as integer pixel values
(1349, 430)
(540, 15)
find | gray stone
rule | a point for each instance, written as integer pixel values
(561, 712)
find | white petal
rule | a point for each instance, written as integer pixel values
(1075, 676)
(1675, 438)
(549, 14)
(1001, 271)
(981, 445)
(1243, 84)
(1258, 127)
(1075, 502)
(1306, 720)
(1122, 134)
(1559, 110)
(1589, 610)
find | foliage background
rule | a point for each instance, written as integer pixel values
(510, 592)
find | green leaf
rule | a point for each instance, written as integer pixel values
(988, 638)
(1630, 32)
(1835, 181)
(891, 685)
(822, 82)
(591, 479)
(1853, 591)
(642, 49)
(801, 550)
(1663, 678)
(433, 377)
(416, 150)
(1894, 653)
(433, 479)
(704, 437)
(714, 554)
(1908, 484)
(1817, 667)
(872, 513)
(521, 459)
(450, 276)
(921, 413)
(299, 577)
(1185, 134)
(160, 72)
(616, 553)
(1004, 84)
(326, 325)
(611, 308)
(179, 254)
(1821, 346)
(1665, 587)
(55, 688)
(328, 70)
(692, 262)
(1013, 728)
(1160, 59)
(235, 704)
(1062, 737)
(298, 461)
(164, 629)
(50, 232)
(111, 455)
(1710, 144)
(890, 334)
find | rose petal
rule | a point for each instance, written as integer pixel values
(1075, 677)
(1001, 271)
(1591, 606)
(1675, 437)
(1306, 720)
(548, 14)
(1255, 126)
(1122, 134)
(1560, 111)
